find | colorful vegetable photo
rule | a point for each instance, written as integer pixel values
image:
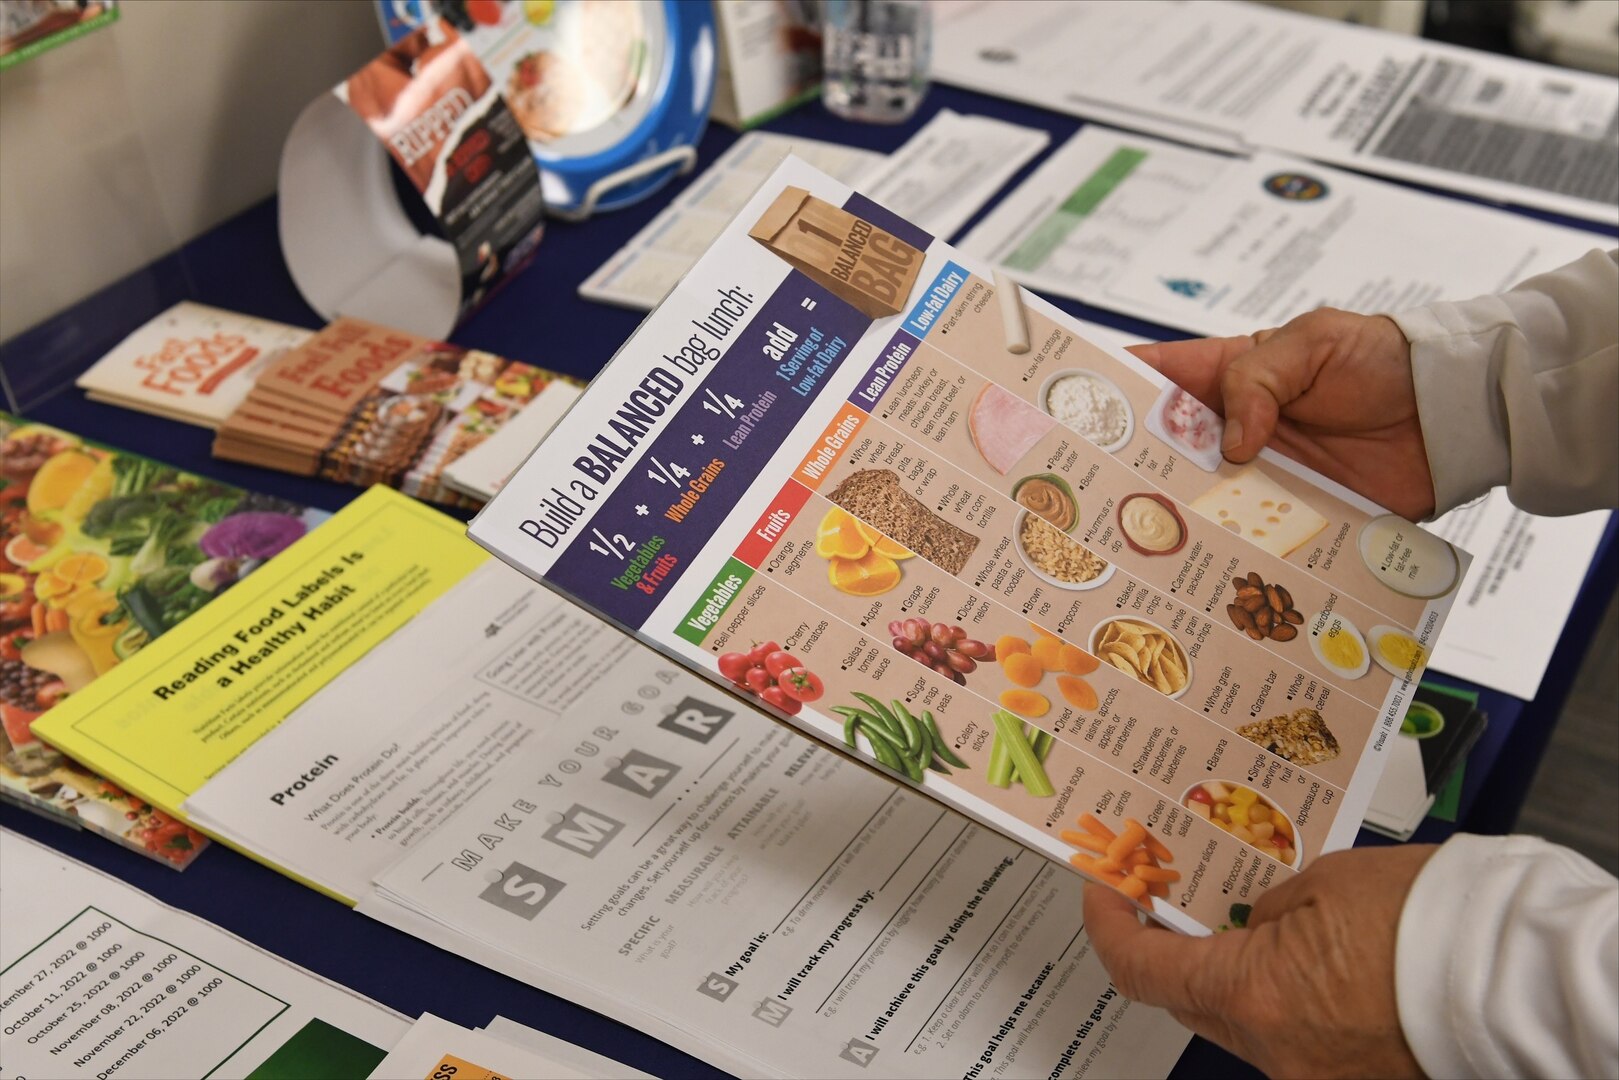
(102, 552)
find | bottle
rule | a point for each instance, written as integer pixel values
(877, 54)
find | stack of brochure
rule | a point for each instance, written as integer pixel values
(363, 404)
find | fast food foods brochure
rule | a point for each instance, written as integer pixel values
(192, 363)
(928, 522)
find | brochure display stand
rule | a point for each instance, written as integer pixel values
(579, 107)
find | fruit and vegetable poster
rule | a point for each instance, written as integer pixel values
(104, 552)
(924, 519)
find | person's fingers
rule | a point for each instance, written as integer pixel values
(1195, 365)
(1146, 962)
(1258, 385)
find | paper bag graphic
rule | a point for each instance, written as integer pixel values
(854, 259)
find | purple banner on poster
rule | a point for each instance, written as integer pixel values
(888, 221)
(639, 540)
(883, 371)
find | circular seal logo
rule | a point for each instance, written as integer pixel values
(1297, 187)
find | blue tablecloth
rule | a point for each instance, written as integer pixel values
(539, 317)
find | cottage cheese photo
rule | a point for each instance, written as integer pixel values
(1090, 405)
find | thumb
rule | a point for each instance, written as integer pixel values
(1149, 963)
(1195, 365)
(1257, 386)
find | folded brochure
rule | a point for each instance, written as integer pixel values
(101, 553)
(820, 475)
(193, 363)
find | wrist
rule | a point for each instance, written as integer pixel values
(1457, 412)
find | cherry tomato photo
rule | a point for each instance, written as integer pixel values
(734, 665)
(801, 684)
(780, 661)
(758, 653)
(775, 695)
(758, 680)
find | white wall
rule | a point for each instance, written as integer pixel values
(119, 146)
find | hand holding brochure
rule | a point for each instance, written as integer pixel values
(1026, 583)
(1220, 246)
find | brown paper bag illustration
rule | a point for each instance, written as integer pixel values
(858, 262)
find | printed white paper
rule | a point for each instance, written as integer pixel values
(98, 979)
(695, 863)
(1232, 75)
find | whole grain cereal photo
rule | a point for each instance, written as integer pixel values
(1301, 737)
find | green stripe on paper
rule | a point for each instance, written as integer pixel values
(319, 1049)
(1080, 204)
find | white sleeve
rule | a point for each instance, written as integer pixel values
(1507, 962)
(1522, 389)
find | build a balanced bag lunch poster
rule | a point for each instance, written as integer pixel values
(1023, 581)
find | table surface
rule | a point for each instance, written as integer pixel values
(539, 317)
